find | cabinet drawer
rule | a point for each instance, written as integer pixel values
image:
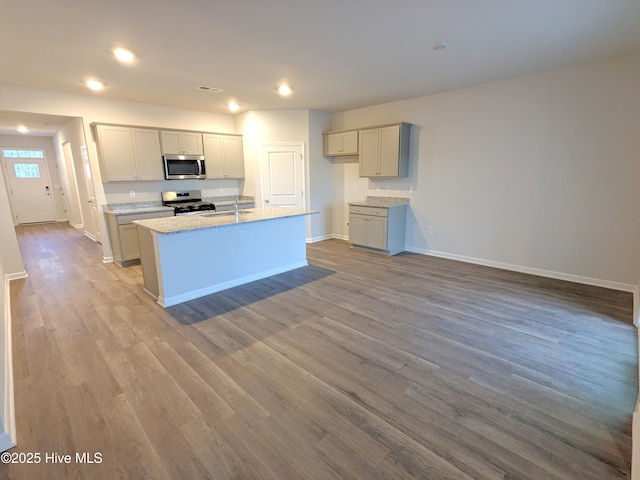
(126, 219)
(375, 211)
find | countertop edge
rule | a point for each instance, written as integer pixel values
(213, 222)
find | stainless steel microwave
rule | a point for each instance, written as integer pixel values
(179, 167)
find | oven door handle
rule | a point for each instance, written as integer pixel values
(200, 168)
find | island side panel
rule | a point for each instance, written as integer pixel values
(195, 263)
(148, 260)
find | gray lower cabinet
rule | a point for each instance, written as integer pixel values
(123, 234)
(378, 228)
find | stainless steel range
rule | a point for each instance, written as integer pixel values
(186, 203)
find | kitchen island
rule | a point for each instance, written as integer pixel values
(187, 257)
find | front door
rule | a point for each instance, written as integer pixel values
(283, 175)
(29, 185)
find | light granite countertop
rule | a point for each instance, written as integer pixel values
(382, 202)
(133, 208)
(156, 206)
(185, 223)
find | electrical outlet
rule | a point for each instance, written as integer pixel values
(132, 194)
(430, 229)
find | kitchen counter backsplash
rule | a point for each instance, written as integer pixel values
(385, 202)
(151, 206)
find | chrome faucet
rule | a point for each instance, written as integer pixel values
(235, 203)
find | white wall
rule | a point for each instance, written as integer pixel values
(46, 144)
(291, 126)
(11, 267)
(538, 172)
(320, 177)
(268, 126)
(74, 134)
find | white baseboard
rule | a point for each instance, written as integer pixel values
(107, 259)
(87, 234)
(625, 287)
(76, 225)
(16, 276)
(319, 239)
(340, 237)
(8, 436)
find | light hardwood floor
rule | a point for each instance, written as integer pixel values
(359, 366)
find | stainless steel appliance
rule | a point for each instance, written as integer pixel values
(180, 167)
(186, 203)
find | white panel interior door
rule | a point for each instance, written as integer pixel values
(91, 226)
(30, 189)
(283, 175)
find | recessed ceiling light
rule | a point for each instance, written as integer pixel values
(438, 46)
(233, 106)
(95, 85)
(209, 89)
(23, 129)
(284, 90)
(123, 55)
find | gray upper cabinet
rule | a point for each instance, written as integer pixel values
(129, 154)
(384, 151)
(177, 142)
(223, 156)
(337, 144)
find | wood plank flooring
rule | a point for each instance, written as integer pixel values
(359, 366)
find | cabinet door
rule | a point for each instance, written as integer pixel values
(350, 143)
(233, 156)
(129, 242)
(377, 233)
(191, 143)
(369, 152)
(116, 153)
(389, 151)
(341, 143)
(170, 142)
(334, 144)
(214, 156)
(147, 154)
(358, 230)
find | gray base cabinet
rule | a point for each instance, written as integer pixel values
(379, 229)
(124, 236)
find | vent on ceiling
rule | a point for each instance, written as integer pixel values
(209, 89)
